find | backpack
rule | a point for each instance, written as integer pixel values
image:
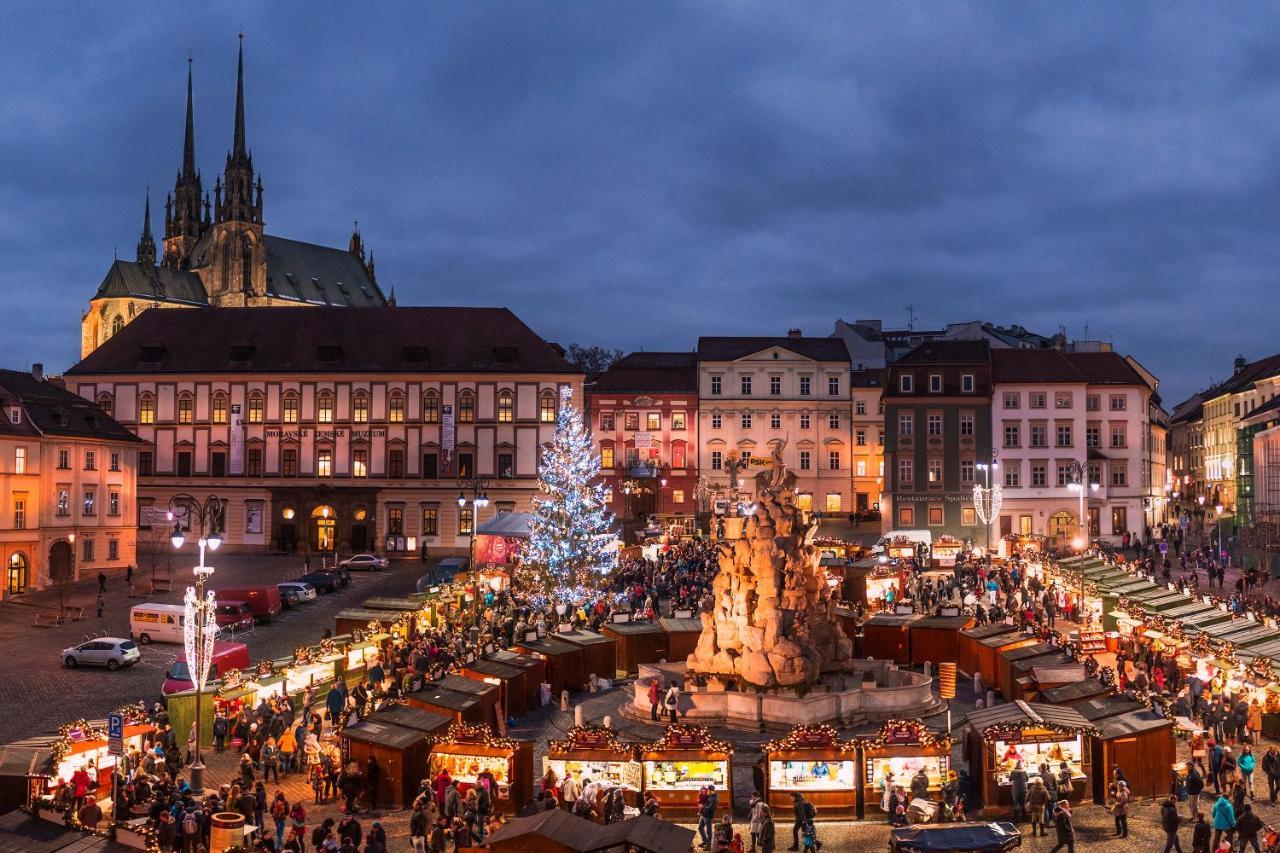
(190, 826)
(810, 810)
(279, 810)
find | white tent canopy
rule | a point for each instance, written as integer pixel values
(513, 525)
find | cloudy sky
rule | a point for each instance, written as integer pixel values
(636, 174)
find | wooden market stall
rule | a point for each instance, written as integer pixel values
(946, 548)
(990, 649)
(84, 745)
(934, 638)
(1031, 733)
(637, 643)
(486, 693)
(599, 653)
(680, 763)
(967, 648)
(1076, 692)
(1032, 677)
(682, 637)
(401, 750)
(362, 619)
(1139, 742)
(509, 680)
(813, 762)
(466, 751)
(459, 707)
(596, 753)
(897, 752)
(535, 673)
(1006, 659)
(887, 636)
(1101, 707)
(403, 603)
(566, 668)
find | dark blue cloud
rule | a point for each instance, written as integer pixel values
(637, 174)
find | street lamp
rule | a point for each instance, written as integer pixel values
(479, 499)
(987, 501)
(1079, 476)
(200, 624)
(1219, 509)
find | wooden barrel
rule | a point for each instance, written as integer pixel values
(226, 829)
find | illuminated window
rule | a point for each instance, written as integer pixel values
(324, 463)
(324, 408)
(360, 408)
(935, 516)
(677, 495)
(431, 520)
(19, 460)
(547, 408)
(606, 456)
(106, 403)
(360, 462)
(466, 408)
(677, 420)
(290, 410)
(146, 409)
(431, 408)
(255, 408)
(220, 408)
(466, 521)
(186, 407)
(833, 502)
(506, 407)
(653, 421)
(935, 470)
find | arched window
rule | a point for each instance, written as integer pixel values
(547, 407)
(146, 408)
(186, 407)
(117, 324)
(289, 407)
(506, 406)
(431, 407)
(324, 407)
(466, 407)
(395, 407)
(16, 580)
(220, 407)
(107, 403)
(255, 407)
(360, 407)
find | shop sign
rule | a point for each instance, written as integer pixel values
(585, 739)
(683, 739)
(902, 733)
(812, 739)
(643, 440)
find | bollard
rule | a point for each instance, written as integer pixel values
(977, 684)
(608, 722)
(991, 698)
(577, 715)
(928, 669)
(564, 700)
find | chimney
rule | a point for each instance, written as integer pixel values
(794, 333)
(37, 371)
(1239, 364)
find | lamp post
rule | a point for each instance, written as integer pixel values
(987, 501)
(200, 625)
(479, 498)
(1219, 509)
(1079, 476)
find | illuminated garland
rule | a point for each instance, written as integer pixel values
(62, 746)
(923, 735)
(266, 668)
(150, 834)
(1010, 732)
(302, 655)
(610, 737)
(464, 733)
(689, 731)
(799, 736)
(326, 647)
(135, 714)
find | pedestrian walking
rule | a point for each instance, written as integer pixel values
(654, 695)
(1169, 822)
(1195, 787)
(1065, 830)
(767, 833)
(102, 581)
(1248, 825)
(101, 604)
(672, 701)
(1224, 819)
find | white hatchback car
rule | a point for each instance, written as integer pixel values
(111, 652)
(370, 562)
(303, 591)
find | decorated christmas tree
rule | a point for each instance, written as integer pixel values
(570, 541)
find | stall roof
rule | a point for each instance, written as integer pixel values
(945, 623)
(409, 717)
(381, 733)
(979, 632)
(1260, 649)
(1210, 616)
(1052, 668)
(975, 837)
(444, 698)
(1031, 713)
(561, 828)
(1191, 608)
(634, 628)
(1165, 603)
(512, 525)
(509, 658)
(22, 833)
(462, 684)
(1108, 706)
(549, 645)
(1077, 690)
(583, 637)
(1156, 592)
(1250, 632)
(679, 626)
(1033, 651)
(494, 669)
(1131, 585)
(1011, 636)
(896, 620)
(386, 602)
(1222, 629)
(366, 614)
(1132, 723)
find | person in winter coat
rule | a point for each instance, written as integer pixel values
(1195, 787)
(1200, 835)
(1246, 764)
(1169, 822)
(1037, 798)
(920, 785)
(757, 809)
(1224, 819)
(418, 828)
(1120, 809)
(766, 835)
(1062, 825)
(1018, 781)
(1248, 825)
(654, 696)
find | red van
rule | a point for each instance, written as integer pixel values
(233, 613)
(264, 601)
(226, 657)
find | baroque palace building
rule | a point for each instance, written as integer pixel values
(216, 253)
(344, 429)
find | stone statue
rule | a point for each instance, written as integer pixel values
(772, 622)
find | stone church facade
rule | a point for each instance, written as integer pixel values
(217, 254)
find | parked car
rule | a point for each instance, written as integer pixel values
(297, 592)
(234, 615)
(263, 601)
(111, 652)
(367, 562)
(156, 623)
(289, 598)
(323, 582)
(226, 657)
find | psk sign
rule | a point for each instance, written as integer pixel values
(115, 734)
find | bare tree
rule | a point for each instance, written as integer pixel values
(62, 574)
(592, 360)
(153, 549)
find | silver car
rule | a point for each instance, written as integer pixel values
(368, 562)
(111, 652)
(301, 590)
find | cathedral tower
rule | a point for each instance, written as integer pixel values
(183, 225)
(147, 244)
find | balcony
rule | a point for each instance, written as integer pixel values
(649, 470)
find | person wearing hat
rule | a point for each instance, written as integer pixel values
(1066, 831)
(1037, 799)
(376, 842)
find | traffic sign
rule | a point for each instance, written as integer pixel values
(1164, 547)
(115, 734)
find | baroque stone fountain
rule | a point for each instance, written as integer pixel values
(772, 652)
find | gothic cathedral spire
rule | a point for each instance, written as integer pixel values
(239, 203)
(147, 245)
(182, 223)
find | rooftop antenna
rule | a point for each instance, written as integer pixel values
(1086, 330)
(911, 318)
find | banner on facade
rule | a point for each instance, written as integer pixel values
(447, 435)
(237, 440)
(643, 440)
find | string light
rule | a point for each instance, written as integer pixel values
(598, 737)
(810, 737)
(698, 737)
(891, 731)
(463, 733)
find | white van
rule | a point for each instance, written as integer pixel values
(156, 623)
(920, 537)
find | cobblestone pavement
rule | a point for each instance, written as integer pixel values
(38, 694)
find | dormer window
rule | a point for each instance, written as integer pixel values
(15, 415)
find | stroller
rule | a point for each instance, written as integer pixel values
(809, 838)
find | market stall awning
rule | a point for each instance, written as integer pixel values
(1074, 692)
(512, 525)
(1029, 713)
(1108, 706)
(975, 837)
(1131, 723)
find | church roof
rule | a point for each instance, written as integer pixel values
(325, 340)
(129, 279)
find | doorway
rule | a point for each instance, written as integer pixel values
(16, 580)
(1062, 527)
(60, 562)
(359, 538)
(324, 523)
